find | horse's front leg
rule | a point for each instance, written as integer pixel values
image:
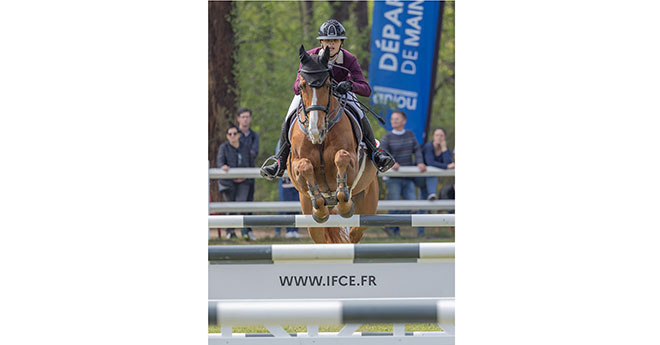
(304, 171)
(344, 161)
(366, 203)
(317, 234)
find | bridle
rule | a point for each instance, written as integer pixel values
(318, 84)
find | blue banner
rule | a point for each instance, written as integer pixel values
(403, 36)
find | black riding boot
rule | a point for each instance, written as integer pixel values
(383, 160)
(277, 169)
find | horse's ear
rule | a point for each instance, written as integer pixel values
(326, 56)
(303, 54)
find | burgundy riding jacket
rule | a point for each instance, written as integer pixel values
(360, 85)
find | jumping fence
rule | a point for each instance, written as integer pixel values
(326, 284)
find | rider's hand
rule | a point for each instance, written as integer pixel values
(344, 87)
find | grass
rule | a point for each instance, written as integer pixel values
(371, 235)
(413, 327)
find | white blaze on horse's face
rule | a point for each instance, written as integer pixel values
(313, 126)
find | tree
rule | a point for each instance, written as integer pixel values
(443, 90)
(306, 8)
(222, 95)
(259, 42)
(362, 22)
(341, 10)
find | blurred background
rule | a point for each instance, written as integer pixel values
(253, 60)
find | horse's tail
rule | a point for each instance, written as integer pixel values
(338, 234)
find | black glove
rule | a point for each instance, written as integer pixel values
(344, 87)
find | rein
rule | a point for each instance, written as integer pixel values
(328, 123)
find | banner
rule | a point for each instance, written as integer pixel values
(403, 46)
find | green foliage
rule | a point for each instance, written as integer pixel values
(443, 103)
(268, 36)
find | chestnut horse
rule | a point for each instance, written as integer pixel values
(330, 170)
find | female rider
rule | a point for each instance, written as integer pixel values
(332, 35)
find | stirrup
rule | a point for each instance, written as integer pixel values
(387, 166)
(265, 174)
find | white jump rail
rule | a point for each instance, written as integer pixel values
(301, 221)
(406, 171)
(294, 206)
(313, 271)
(323, 253)
(331, 312)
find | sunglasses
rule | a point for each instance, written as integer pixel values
(232, 133)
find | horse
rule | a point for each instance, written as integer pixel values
(324, 149)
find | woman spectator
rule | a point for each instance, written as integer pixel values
(437, 154)
(233, 154)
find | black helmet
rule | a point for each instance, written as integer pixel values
(332, 30)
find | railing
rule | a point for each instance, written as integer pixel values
(407, 171)
(294, 206)
(299, 221)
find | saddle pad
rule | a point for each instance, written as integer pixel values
(355, 124)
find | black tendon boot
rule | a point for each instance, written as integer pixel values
(276, 169)
(383, 160)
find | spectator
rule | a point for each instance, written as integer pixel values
(233, 154)
(403, 145)
(287, 192)
(249, 138)
(437, 154)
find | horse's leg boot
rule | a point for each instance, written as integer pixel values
(345, 206)
(276, 169)
(383, 159)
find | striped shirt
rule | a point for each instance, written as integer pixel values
(403, 147)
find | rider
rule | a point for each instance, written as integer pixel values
(331, 36)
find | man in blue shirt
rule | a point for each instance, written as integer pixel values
(405, 149)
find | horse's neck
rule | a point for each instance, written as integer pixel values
(342, 128)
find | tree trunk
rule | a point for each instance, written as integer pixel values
(341, 10)
(222, 96)
(362, 13)
(306, 18)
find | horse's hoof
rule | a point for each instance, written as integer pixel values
(319, 219)
(350, 212)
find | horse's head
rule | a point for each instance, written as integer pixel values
(315, 89)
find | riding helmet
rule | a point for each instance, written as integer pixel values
(332, 30)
